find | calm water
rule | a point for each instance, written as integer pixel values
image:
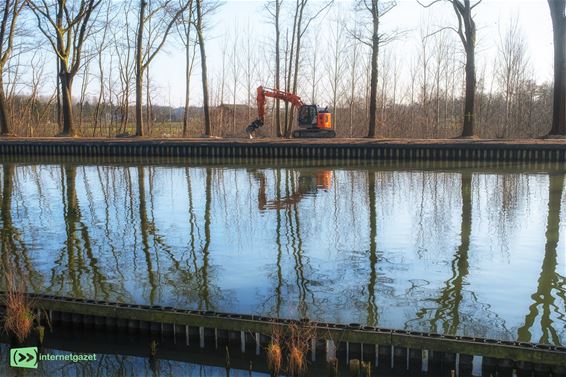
(474, 251)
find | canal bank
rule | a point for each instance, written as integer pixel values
(548, 150)
(396, 349)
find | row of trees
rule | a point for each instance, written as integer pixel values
(100, 43)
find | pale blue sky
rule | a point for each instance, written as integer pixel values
(492, 16)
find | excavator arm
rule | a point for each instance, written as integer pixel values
(262, 93)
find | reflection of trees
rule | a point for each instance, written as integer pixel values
(296, 245)
(288, 237)
(279, 284)
(204, 294)
(146, 228)
(372, 307)
(447, 306)
(550, 283)
(77, 258)
(192, 278)
(14, 253)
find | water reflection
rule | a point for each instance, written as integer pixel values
(455, 250)
(444, 315)
(548, 302)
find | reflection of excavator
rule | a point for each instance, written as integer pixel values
(309, 184)
(314, 121)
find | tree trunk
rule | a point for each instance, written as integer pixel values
(277, 69)
(187, 88)
(139, 70)
(100, 95)
(207, 129)
(372, 130)
(299, 33)
(67, 102)
(373, 314)
(4, 121)
(468, 129)
(559, 96)
(289, 113)
(58, 84)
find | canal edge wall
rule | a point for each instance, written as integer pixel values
(474, 150)
(255, 331)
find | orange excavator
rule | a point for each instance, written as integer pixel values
(314, 122)
(310, 182)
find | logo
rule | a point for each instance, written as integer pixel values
(24, 357)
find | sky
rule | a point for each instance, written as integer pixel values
(492, 17)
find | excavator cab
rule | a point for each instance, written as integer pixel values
(314, 122)
(308, 116)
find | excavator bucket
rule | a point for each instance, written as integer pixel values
(252, 127)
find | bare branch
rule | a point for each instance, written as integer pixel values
(440, 31)
(429, 5)
(476, 4)
(316, 15)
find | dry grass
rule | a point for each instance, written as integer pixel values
(19, 317)
(333, 367)
(300, 336)
(274, 351)
(297, 361)
(366, 369)
(274, 358)
(153, 345)
(355, 368)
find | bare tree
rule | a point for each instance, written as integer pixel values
(66, 27)
(314, 63)
(250, 69)
(84, 86)
(467, 32)
(101, 47)
(276, 15)
(204, 73)
(165, 15)
(300, 27)
(222, 83)
(373, 39)
(185, 28)
(10, 10)
(558, 14)
(354, 75)
(512, 67)
(335, 65)
(123, 51)
(235, 69)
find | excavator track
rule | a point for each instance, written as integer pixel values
(315, 133)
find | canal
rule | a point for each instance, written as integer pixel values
(474, 249)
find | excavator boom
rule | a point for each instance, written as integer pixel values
(262, 92)
(317, 122)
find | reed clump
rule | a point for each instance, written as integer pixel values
(355, 368)
(300, 335)
(274, 351)
(19, 317)
(333, 367)
(274, 358)
(297, 363)
(153, 346)
(366, 369)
